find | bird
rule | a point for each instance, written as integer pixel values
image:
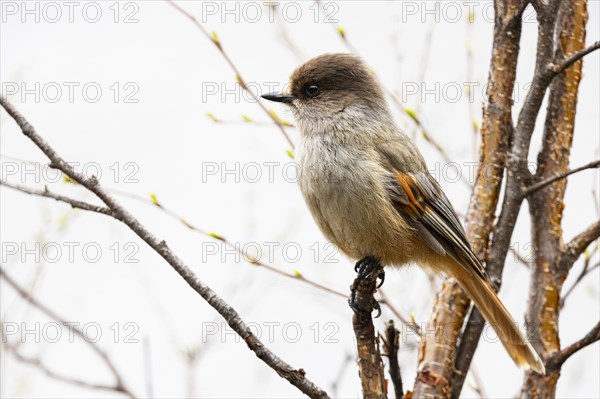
(369, 191)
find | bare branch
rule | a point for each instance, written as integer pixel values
(38, 364)
(370, 365)
(391, 343)
(545, 182)
(296, 275)
(119, 384)
(556, 360)
(294, 376)
(154, 202)
(437, 351)
(578, 245)
(567, 24)
(235, 69)
(559, 68)
(61, 198)
(518, 176)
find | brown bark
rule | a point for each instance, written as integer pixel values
(391, 342)
(546, 204)
(518, 177)
(437, 350)
(370, 365)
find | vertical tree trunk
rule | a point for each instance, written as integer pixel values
(438, 348)
(546, 205)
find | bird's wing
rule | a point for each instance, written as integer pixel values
(419, 199)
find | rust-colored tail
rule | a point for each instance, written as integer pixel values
(488, 303)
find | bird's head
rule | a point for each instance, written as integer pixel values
(332, 88)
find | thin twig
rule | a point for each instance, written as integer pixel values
(587, 269)
(469, 76)
(235, 69)
(119, 385)
(391, 344)
(238, 249)
(38, 364)
(556, 360)
(559, 68)
(294, 376)
(61, 198)
(425, 53)
(578, 245)
(296, 275)
(154, 202)
(539, 185)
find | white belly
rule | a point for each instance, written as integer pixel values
(345, 192)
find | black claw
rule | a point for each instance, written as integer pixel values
(365, 266)
(381, 276)
(362, 268)
(376, 307)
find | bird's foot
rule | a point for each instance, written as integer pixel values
(364, 268)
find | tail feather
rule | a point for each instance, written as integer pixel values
(488, 303)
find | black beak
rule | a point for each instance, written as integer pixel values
(278, 97)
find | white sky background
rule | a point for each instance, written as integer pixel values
(166, 141)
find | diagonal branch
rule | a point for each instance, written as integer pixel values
(119, 384)
(541, 184)
(559, 68)
(578, 245)
(556, 360)
(295, 377)
(235, 69)
(37, 363)
(60, 198)
(295, 275)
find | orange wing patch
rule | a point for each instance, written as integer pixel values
(416, 206)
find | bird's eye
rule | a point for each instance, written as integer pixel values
(312, 90)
